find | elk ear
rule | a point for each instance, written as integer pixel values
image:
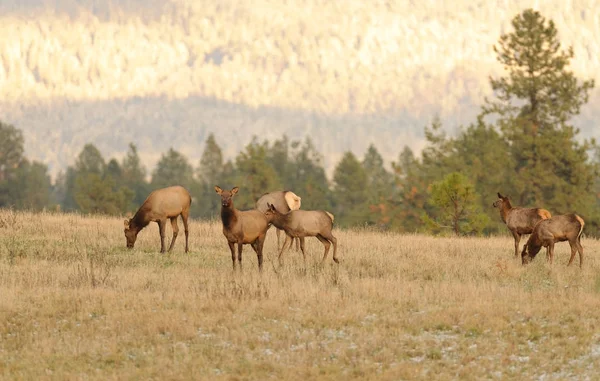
(234, 190)
(218, 189)
(499, 195)
(126, 223)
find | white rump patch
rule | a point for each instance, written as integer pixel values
(293, 201)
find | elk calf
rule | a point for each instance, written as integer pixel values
(284, 201)
(160, 205)
(304, 223)
(519, 220)
(242, 227)
(547, 232)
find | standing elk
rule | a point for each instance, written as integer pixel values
(284, 201)
(160, 205)
(242, 227)
(304, 223)
(567, 227)
(519, 220)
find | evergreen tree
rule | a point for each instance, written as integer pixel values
(11, 156)
(11, 150)
(379, 184)
(134, 177)
(350, 192)
(306, 176)
(90, 160)
(409, 199)
(255, 174)
(173, 168)
(458, 206)
(97, 194)
(210, 173)
(211, 162)
(533, 106)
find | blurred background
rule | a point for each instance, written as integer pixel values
(332, 99)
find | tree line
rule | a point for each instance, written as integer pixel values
(522, 144)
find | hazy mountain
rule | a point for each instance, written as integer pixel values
(166, 73)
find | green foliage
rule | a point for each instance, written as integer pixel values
(255, 174)
(533, 106)
(173, 168)
(210, 173)
(410, 194)
(350, 191)
(133, 176)
(11, 150)
(457, 206)
(379, 185)
(306, 176)
(97, 194)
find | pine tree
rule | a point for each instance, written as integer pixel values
(90, 160)
(173, 168)
(409, 199)
(306, 176)
(134, 177)
(350, 192)
(533, 107)
(379, 183)
(11, 150)
(458, 206)
(255, 174)
(210, 173)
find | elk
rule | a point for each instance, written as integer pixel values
(160, 205)
(242, 227)
(519, 220)
(567, 227)
(304, 223)
(284, 201)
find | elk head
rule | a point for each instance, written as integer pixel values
(226, 196)
(130, 234)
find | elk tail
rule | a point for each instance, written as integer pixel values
(330, 215)
(582, 224)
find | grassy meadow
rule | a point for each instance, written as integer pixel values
(76, 304)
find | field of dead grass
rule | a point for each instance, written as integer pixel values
(76, 304)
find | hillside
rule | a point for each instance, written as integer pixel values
(165, 74)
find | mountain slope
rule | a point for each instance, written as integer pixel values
(166, 73)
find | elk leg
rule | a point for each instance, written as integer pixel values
(573, 251)
(301, 240)
(175, 232)
(259, 252)
(326, 244)
(161, 229)
(278, 232)
(232, 249)
(580, 249)
(184, 217)
(240, 248)
(517, 237)
(287, 239)
(333, 240)
(551, 251)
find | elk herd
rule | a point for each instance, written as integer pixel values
(282, 210)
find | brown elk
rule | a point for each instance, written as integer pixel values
(284, 201)
(160, 205)
(304, 223)
(547, 232)
(519, 220)
(242, 227)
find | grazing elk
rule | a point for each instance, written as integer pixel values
(519, 220)
(160, 205)
(567, 227)
(242, 227)
(304, 223)
(284, 201)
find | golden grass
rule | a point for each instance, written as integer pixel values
(76, 304)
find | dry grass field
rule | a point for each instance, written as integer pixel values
(76, 304)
